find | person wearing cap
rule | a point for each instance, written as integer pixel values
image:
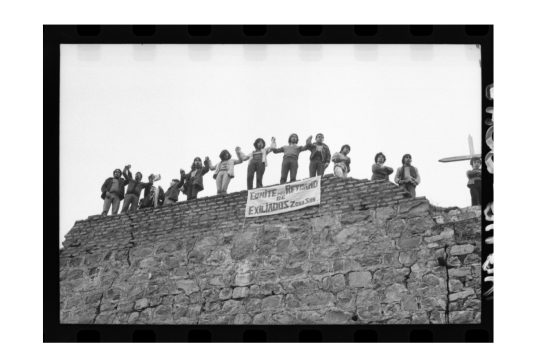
(342, 162)
(133, 192)
(224, 171)
(290, 158)
(474, 180)
(193, 181)
(407, 176)
(112, 191)
(379, 171)
(171, 195)
(258, 161)
(319, 159)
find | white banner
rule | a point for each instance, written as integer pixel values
(283, 198)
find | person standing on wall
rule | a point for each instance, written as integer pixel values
(193, 181)
(379, 171)
(112, 191)
(258, 161)
(342, 162)
(153, 197)
(474, 181)
(133, 192)
(407, 176)
(224, 171)
(171, 195)
(319, 159)
(290, 158)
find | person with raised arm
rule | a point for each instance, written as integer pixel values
(290, 158)
(474, 181)
(407, 176)
(319, 159)
(224, 170)
(133, 192)
(112, 191)
(258, 161)
(171, 195)
(193, 181)
(342, 162)
(379, 171)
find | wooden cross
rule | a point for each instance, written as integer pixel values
(463, 158)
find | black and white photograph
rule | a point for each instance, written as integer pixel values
(271, 184)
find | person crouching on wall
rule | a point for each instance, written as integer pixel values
(112, 191)
(342, 162)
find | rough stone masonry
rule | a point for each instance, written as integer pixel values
(368, 254)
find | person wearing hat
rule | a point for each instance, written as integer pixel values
(133, 192)
(224, 171)
(379, 171)
(407, 176)
(193, 181)
(341, 162)
(258, 161)
(290, 158)
(319, 159)
(112, 191)
(474, 180)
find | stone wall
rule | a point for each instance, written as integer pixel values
(367, 255)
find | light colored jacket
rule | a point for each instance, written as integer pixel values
(265, 151)
(230, 167)
(342, 164)
(397, 178)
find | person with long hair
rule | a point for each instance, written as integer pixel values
(342, 162)
(224, 170)
(133, 192)
(258, 161)
(112, 191)
(290, 158)
(407, 176)
(379, 170)
(193, 181)
(474, 180)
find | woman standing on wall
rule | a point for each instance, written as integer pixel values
(258, 161)
(223, 171)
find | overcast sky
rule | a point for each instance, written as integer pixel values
(157, 107)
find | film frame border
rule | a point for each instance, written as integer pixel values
(54, 35)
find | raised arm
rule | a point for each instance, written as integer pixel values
(376, 168)
(182, 179)
(207, 166)
(271, 147)
(308, 145)
(241, 155)
(127, 173)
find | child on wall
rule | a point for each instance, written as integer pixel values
(407, 176)
(258, 161)
(112, 191)
(224, 170)
(290, 158)
(474, 180)
(133, 192)
(171, 195)
(342, 162)
(379, 171)
(193, 181)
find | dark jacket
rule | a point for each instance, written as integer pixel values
(198, 179)
(148, 201)
(134, 186)
(107, 186)
(473, 175)
(173, 191)
(325, 152)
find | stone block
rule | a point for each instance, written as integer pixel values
(226, 293)
(272, 302)
(241, 292)
(242, 319)
(244, 279)
(346, 299)
(460, 295)
(462, 249)
(394, 292)
(334, 283)
(407, 258)
(187, 285)
(285, 318)
(337, 317)
(318, 299)
(310, 317)
(413, 208)
(349, 235)
(148, 262)
(231, 307)
(384, 213)
(367, 297)
(461, 317)
(360, 279)
(262, 319)
(408, 243)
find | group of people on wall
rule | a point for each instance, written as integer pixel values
(190, 184)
